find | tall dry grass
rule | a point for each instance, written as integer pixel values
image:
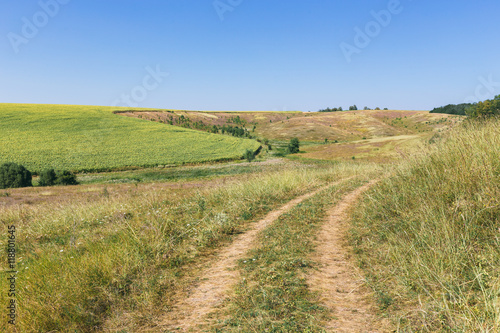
(114, 264)
(428, 238)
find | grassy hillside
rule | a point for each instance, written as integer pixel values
(314, 126)
(428, 237)
(374, 135)
(93, 138)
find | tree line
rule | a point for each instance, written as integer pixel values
(14, 175)
(485, 109)
(457, 109)
(488, 108)
(351, 108)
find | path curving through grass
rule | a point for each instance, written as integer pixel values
(218, 279)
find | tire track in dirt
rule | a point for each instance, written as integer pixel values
(218, 279)
(339, 282)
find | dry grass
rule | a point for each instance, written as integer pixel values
(428, 238)
(379, 150)
(114, 262)
(318, 126)
(272, 294)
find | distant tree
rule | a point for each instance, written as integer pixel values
(366, 108)
(386, 109)
(486, 109)
(353, 108)
(293, 146)
(458, 109)
(13, 175)
(249, 155)
(331, 109)
(47, 178)
(377, 108)
(66, 178)
(268, 144)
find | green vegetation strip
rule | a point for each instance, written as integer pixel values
(273, 295)
(90, 138)
(179, 173)
(428, 238)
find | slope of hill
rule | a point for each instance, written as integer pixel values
(428, 237)
(376, 135)
(310, 126)
(85, 138)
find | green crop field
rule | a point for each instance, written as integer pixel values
(91, 138)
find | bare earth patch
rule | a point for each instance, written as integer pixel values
(218, 279)
(339, 282)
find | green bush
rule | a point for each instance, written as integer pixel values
(47, 178)
(50, 178)
(249, 155)
(66, 178)
(14, 175)
(293, 146)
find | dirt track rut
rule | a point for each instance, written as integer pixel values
(338, 281)
(218, 279)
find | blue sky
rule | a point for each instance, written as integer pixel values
(249, 55)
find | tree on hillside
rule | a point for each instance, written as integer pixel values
(50, 178)
(13, 175)
(459, 109)
(66, 178)
(486, 109)
(293, 146)
(249, 155)
(331, 109)
(47, 178)
(353, 108)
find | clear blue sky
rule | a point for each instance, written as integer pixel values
(248, 55)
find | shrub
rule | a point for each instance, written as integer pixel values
(249, 155)
(47, 178)
(66, 178)
(293, 146)
(14, 175)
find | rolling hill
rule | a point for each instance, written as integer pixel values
(92, 138)
(375, 135)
